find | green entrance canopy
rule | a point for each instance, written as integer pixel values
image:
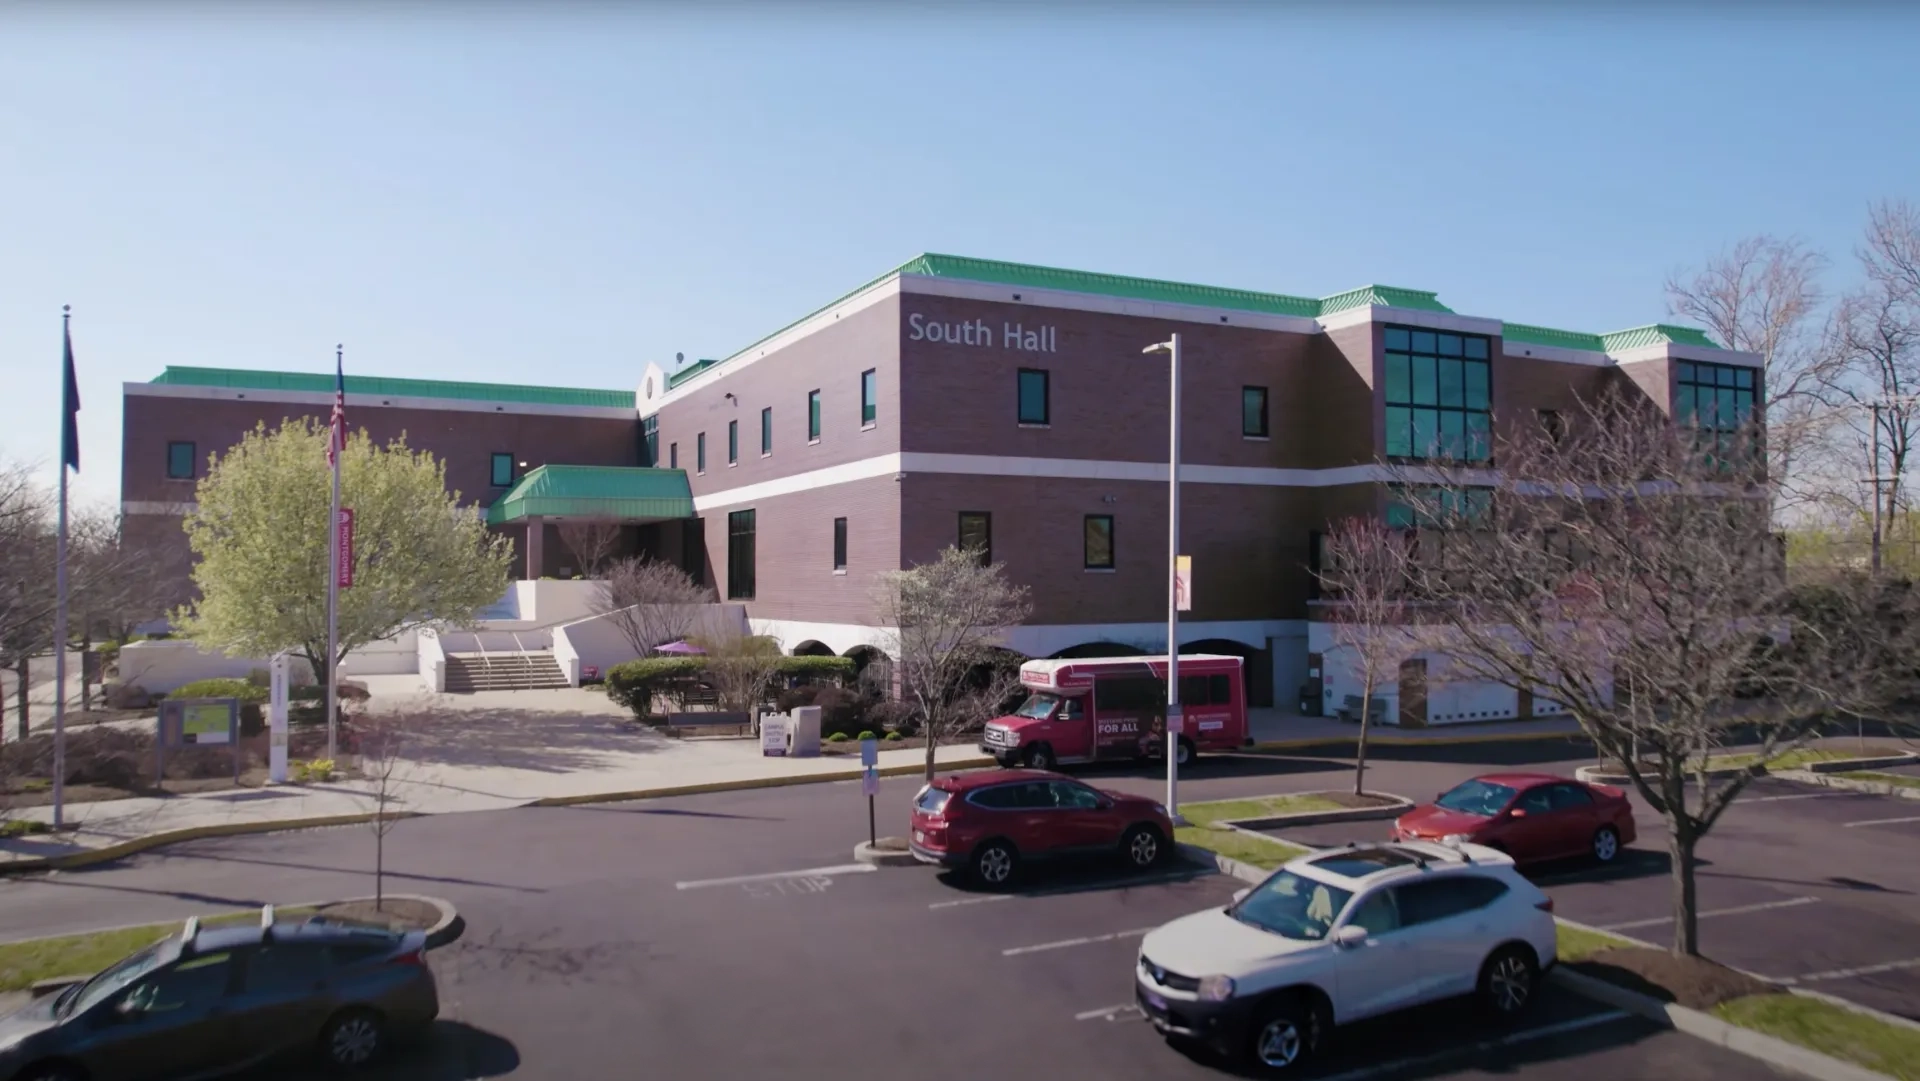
(610, 493)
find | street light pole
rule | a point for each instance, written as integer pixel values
(1174, 716)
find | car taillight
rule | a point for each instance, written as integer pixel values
(1545, 906)
(411, 957)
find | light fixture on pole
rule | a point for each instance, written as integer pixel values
(1174, 726)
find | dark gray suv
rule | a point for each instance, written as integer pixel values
(207, 1002)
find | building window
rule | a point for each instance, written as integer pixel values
(700, 453)
(673, 455)
(813, 415)
(502, 470)
(650, 441)
(733, 442)
(740, 555)
(1099, 542)
(1316, 559)
(976, 534)
(839, 544)
(1034, 403)
(1718, 400)
(869, 396)
(1438, 395)
(693, 547)
(766, 431)
(1553, 424)
(181, 461)
(1253, 411)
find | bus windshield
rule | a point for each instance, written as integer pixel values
(1038, 706)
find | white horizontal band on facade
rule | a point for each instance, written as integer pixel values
(372, 401)
(136, 506)
(986, 465)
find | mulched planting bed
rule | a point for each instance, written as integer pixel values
(1693, 982)
(396, 913)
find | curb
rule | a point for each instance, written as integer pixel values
(1851, 784)
(954, 766)
(1374, 739)
(1849, 765)
(137, 845)
(1757, 1045)
(1226, 865)
(884, 857)
(1601, 775)
(1321, 818)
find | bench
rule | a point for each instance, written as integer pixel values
(708, 724)
(1350, 710)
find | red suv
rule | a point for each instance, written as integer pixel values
(991, 821)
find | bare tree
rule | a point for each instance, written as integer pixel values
(592, 543)
(26, 579)
(1874, 338)
(741, 668)
(381, 744)
(1629, 574)
(1369, 611)
(946, 621)
(1763, 295)
(651, 603)
(1891, 255)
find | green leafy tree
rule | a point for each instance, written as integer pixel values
(260, 532)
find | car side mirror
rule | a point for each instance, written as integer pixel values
(1349, 935)
(1241, 894)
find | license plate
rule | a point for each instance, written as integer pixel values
(920, 836)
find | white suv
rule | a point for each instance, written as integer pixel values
(1343, 934)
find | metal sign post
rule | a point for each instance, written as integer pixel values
(277, 675)
(196, 722)
(870, 783)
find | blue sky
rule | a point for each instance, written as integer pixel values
(560, 194)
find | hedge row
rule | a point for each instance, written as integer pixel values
(631, 684)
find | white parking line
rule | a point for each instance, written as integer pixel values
(1066, 942)
(972, 901)
(1797, 795)
(1541, 1033)
(1882, 821)
(1850, 973)
(1739, 911)
(812, 872)
(1108, 1012)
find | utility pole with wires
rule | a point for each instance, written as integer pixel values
(1878, 407)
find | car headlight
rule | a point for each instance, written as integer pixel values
(1216, 988)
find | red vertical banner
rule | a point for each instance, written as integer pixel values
(346, 547)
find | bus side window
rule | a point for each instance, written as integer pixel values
(1222, 689)
(1193, 691)
(1072, 710)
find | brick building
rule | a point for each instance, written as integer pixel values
(958, 400)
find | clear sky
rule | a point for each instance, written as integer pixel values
(557, 194)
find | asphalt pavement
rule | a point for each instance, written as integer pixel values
(730, 935)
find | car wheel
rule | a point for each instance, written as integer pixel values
(1507, 981)
(1144, 847)
(1284, 1035)
(1183, 754)
(995, 864)
(353, 1039)
(1040, 756)
(1606, 844)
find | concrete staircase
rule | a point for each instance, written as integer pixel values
(530, 671)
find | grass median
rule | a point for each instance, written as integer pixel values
(25, 963)
(1207, 831)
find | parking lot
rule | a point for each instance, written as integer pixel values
(1813, 886)
(728, 936)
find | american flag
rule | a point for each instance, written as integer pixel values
(337, 428)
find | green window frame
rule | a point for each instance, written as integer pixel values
(182, 460)
(839, 544)
(1035, 397)
(813, 415)
(976, 532)
(733, 442)
(1717, 400)
(1439, 395)
(766, 431)
(700, 453)
(502, 470)
(869, 397)
(1253, 412)
(1097, 542)
(740, 556)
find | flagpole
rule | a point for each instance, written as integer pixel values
(333, 578)
(67, 454)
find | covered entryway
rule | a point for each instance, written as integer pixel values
(640, 511)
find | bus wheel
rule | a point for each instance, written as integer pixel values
(1185, 754)
(1040, 756)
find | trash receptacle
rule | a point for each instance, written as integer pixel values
(803, 732)
(1309, 700)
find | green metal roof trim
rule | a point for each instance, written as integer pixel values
(1388, 296)
(595, 491)
(1613, 342)
(688, 372)
(382, 386)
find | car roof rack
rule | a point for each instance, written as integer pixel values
(190, 932)
(266, 922)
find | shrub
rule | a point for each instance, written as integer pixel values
(867, 733)
(128, 696)
(895, 737)
(633, 683)
(839, 669)
(837, 737)
(246, 692)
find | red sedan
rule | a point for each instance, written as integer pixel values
(992, 821)
(1529, 816)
